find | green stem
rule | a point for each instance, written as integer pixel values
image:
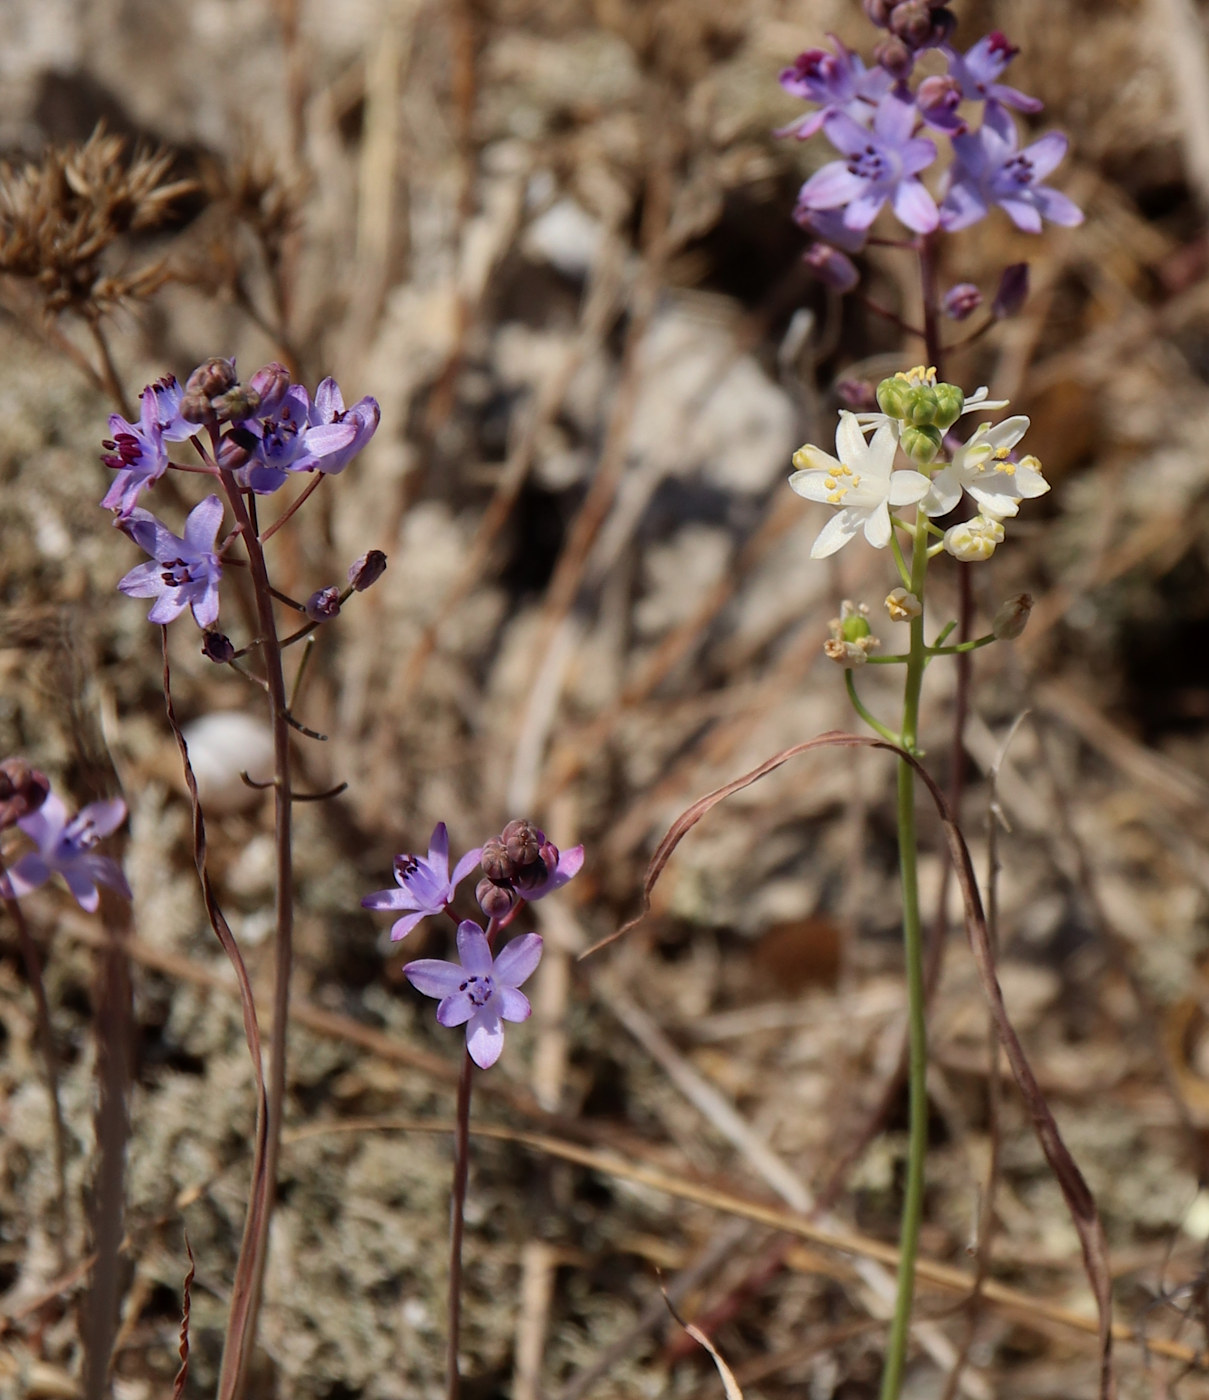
(867, 715)
(917, 1077)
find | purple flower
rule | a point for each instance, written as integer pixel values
(837, 82)
(136, 451)
(828, 226)
(184, 572)
(977, 70)
(328, 412)
(961, 301)
(65, 848)
(879, 165)
(938, 100)
(425, 884)
(991, 170)
(480, 991)
(831, 267)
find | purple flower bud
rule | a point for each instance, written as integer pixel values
(833, 268)
(367, 570)
(235, 449)
(205, 384)
(495, 900)
(523, 842)
(961, 301)
(270, 383)
(879, 11)
(938, 99)
(323, 604)
(217, 647)
(22, 790)
(236, 405)
(496, 863)
(894, 55)
(1013, 291)
(911, 21)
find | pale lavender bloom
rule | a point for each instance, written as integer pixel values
(938, 100)
(136, 451)
(65, 848)
(838, 82)
(479, 991)
(977, 70)
(425, 884)
(298, 436)
(184, 573)
(832, 267)
(991, 170)
(880, 164)
(328, 409)
(828, 225)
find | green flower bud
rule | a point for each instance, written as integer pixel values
(950, 400)
(921, 408)
(893, 394)
(921, 444)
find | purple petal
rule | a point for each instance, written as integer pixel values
(152, 535)
(435, 977)
(514, 1005)
(28, 873)
(390, 899)
(438, 852)
(329, 401)
(201, 527)
(465, 866)
(831, 187)
(205, 608)
(143, 581)
(1013, 97)
(915, 207)
(78, 882)
(963, 205)
(485, 1038)
(918, 155)
(44, 826)
(455, 1009)
(518, 961)
(894, 120)
(106, 871)
(103, 817)
(473, 949)
(1045, 154)
(848, 136)
(168, 606)
(1058, 209)
(402, 927)
(1023, 213)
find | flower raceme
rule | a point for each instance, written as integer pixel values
(866, 488)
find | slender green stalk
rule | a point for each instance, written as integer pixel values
(917, 1074)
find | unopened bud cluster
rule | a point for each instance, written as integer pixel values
(515, 863)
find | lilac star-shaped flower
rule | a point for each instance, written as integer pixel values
(136, 452)
(837, 82)
(479, 991)
(328, 410)
(978, 69)
(425, 884)
(879, 165)
(990, 169)
(551, 872)
(184, 572)
(66, 848)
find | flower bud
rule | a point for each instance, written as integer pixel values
(495, 900)
(235, 449)
(892, 396)
(921, 444)
(831, 267)
(323, 604)
(902, 605)
(911, 21)
(22, 790)
(894, 55)
(938, 99)
(217, 647)
(961, 301)
(367, 570)
(1012, 292)
(207, 382)
(854, 625)
(236, 405)
(1012, 617)
(878, 11)
(974, 540)
(950, 400)
(270, 384)
(522, 841)
(496, 863)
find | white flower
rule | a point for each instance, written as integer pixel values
(862, 483)
(902, 605)
(983, 467)
(974, 540)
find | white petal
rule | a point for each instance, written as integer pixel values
(813, 485)
(837, 532)
(878, 528)
(907, 487)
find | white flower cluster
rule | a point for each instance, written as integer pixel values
(866, 485)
